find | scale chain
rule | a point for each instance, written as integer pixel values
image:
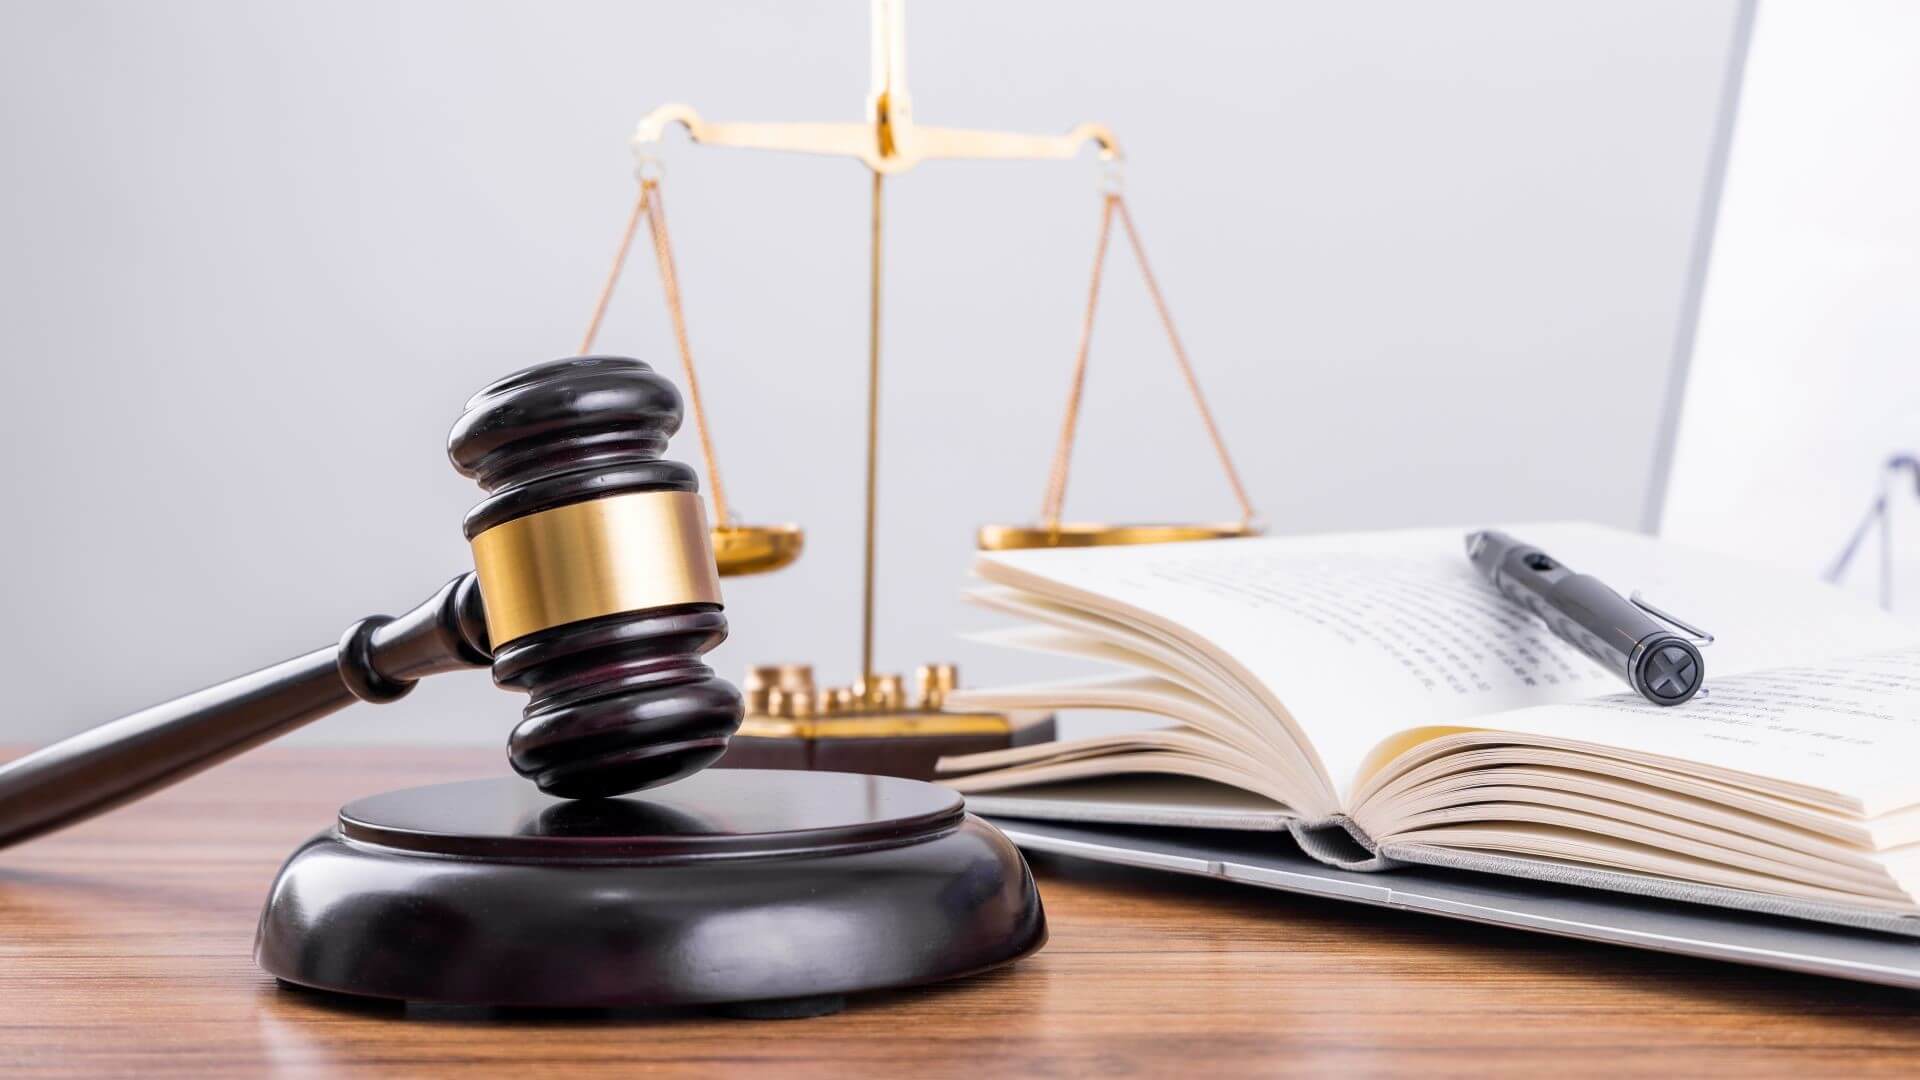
(1063, 453)
(1112, 205)
(651, 205)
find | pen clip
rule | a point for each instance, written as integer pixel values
(1699, 637)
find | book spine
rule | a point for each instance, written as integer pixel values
(1340, 843)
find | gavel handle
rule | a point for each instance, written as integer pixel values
(378, 659)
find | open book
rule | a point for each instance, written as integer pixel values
(1372, 695)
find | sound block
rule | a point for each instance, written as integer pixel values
(766, 893)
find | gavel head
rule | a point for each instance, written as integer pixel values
(597, 576)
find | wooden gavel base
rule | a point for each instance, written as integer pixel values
(763, 893)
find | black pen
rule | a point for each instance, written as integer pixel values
(1621, 633)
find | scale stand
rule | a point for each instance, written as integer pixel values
(873, 725)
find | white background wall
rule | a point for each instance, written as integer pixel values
(1428, 258)
(1806, 377)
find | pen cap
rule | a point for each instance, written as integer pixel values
(1666, 669)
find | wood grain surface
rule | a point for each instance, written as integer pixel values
(125, 949)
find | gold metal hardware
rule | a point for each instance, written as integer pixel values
(758, 686)
(888, 142)
(1089, 534)
(876, 725)
(784, 702)
(601, 557)
(800, 704)
(756, 549)
(883, 143)
(933, 682)
(870, 553)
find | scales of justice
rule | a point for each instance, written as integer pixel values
(877, 723)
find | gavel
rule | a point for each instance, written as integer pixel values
(593, 591)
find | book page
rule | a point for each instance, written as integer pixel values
(1850, 727)
(1362, 635)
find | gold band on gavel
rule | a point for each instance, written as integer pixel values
(601, 557)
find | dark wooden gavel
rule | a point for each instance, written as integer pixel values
(594, 592)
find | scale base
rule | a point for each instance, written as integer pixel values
(762, 894)
(907, 743)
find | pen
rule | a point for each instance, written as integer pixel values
(1662, 666)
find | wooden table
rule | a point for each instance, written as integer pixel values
(125, 948)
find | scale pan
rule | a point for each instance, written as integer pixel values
(1091, 534)
(756, 549)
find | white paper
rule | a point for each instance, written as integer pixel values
(1364, 635)
(1850, 726)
